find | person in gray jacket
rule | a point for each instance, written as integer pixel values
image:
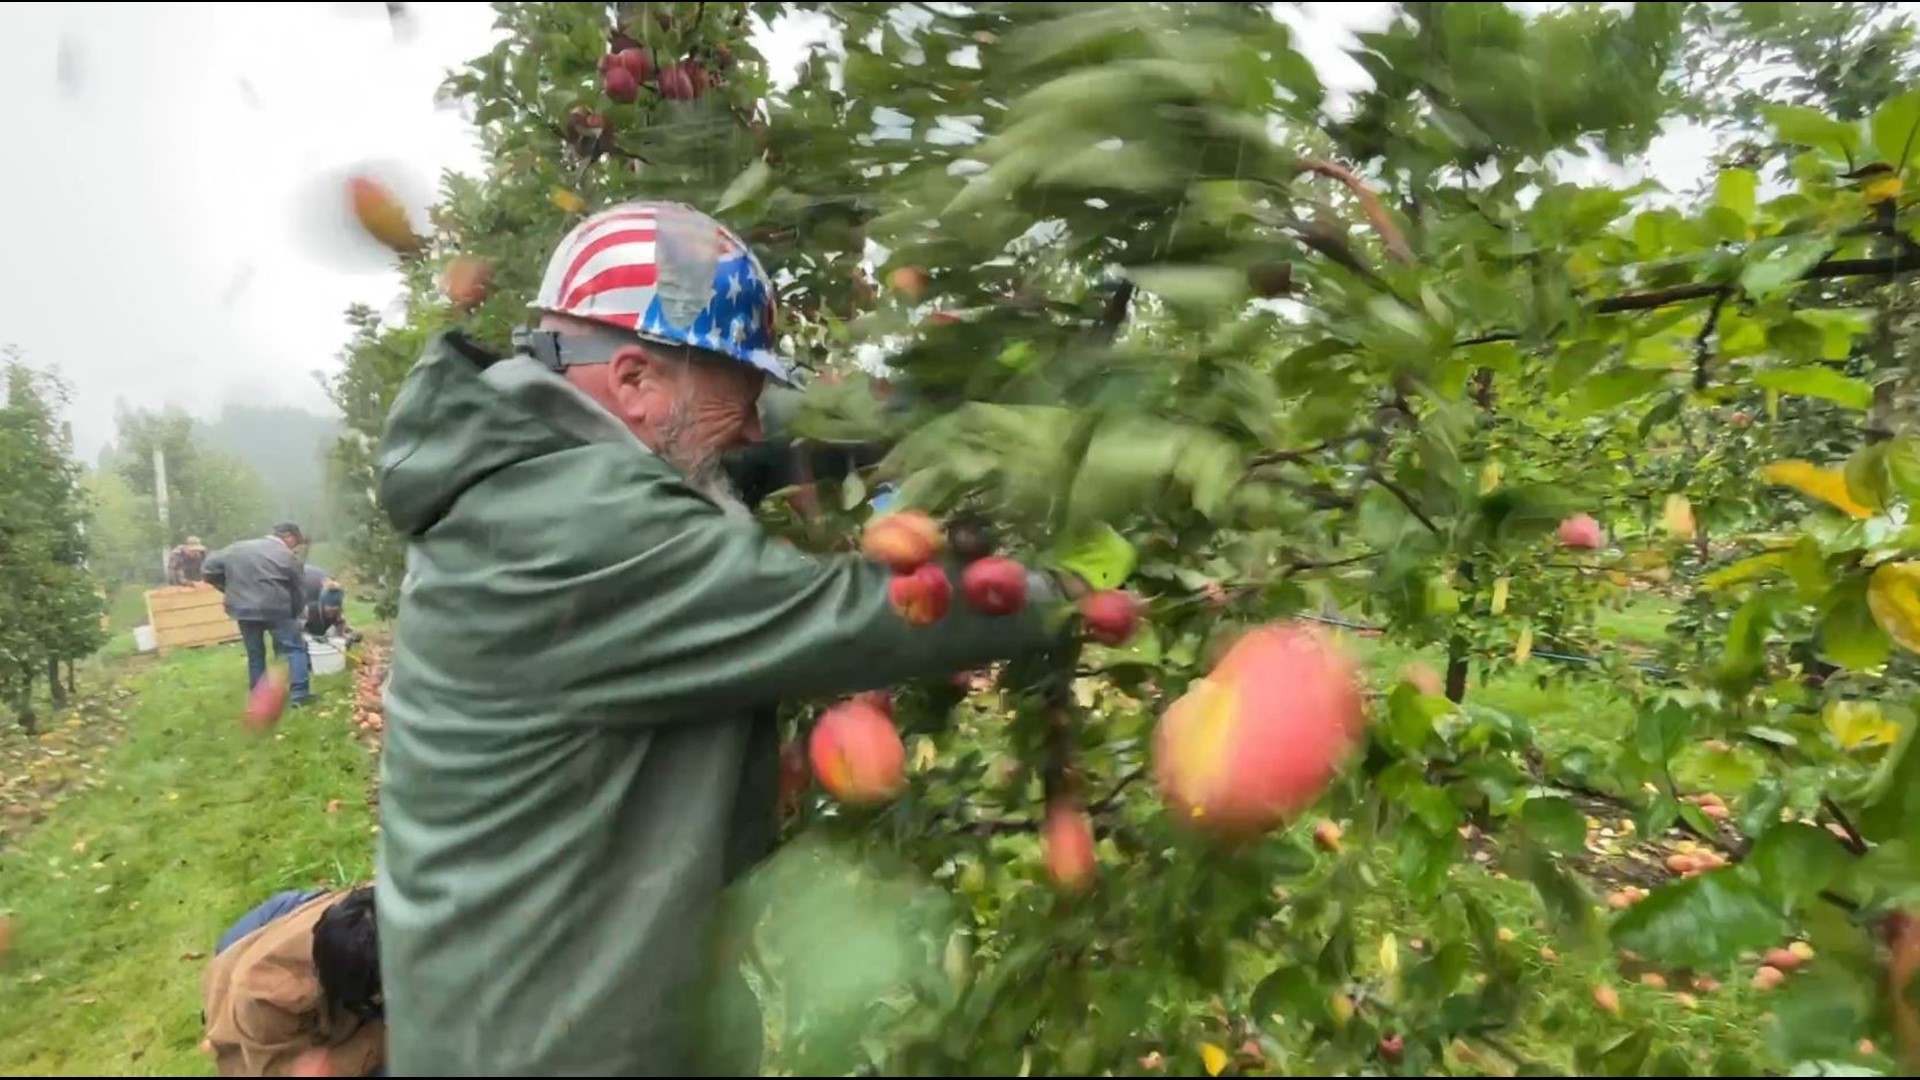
(263, 582)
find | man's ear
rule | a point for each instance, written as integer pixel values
(631, 379)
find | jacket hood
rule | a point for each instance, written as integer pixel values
(464, 414)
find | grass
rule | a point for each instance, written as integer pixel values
(117, 897)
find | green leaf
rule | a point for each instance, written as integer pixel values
(1896, 130)
(1290, 991)
(1794, 862)
(1099, 555)
(1555, 823)
(1705, 921)
(853, 492)
(1735, 190)
(1811, 127)
(1818, 382)
(1611, 389)
(1890, 801)
(749, 183)
(1869, 481)
(1849, 634)
(1783, 266)
(1819, 1014)
(1195, 287)
(1569, 906)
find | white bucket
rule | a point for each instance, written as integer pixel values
(144, 639)
(325, 657)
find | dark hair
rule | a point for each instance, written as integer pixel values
(288, 528)
(346, 955)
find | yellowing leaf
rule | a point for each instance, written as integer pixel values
(1855, 724)
(1745, 570)
(1523, 647)
(924, 754)
(1500, 588)
(568, 201)
(1342, 1010)
(1490, 475)
(1678, 518)
(1390, 955)
(1827, 485)
(1893, 595)
(1214, 1058)
(1881, 188)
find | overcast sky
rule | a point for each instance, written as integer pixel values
(167, 165)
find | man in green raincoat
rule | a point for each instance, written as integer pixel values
(592, 636)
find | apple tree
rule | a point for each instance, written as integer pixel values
(52, 613)
(1150, 314)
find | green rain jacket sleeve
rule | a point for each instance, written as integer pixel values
(649, 604)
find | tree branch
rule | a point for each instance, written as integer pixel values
(1702, 351)
(1854, 841)
(1369, 204)
(1888, 266)
(1406, 500)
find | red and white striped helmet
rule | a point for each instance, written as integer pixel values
(668, 273)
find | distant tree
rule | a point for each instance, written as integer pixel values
(51, 610)
(211, 493)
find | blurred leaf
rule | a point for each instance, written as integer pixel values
(1896, 129)
(1555, 823)
(1827, 485)
(1811, 127)
(1780, 268)
(1854, 724)
(1704, 921)
(1735, 190)
(1818, 382)
(745, 186)
(1794, 861)
(1099, 555)
(1849, 634)
(1893, 595)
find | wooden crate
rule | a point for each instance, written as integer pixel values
(186, 616)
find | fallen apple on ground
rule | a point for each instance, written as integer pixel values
(1262, 736)
(857, 754)
(909, 281)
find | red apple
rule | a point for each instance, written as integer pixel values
(468, 280)
(857, 754)
(1262, 736)
(1066, 842)
(620, 84)
(994, 585)
(381, 213)
(909, 281)
(637, 62)
(266, 701)
(1580, 531)
(1111, 616)
(676, 83)
(1327, 834)
(922, 596)
(903, 541)
(1392, 1047)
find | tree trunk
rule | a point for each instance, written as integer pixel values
(56, 688)
(72, 678)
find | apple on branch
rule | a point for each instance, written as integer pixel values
(857, 754)
(1262, 736)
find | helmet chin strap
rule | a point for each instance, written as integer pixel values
(557, 351)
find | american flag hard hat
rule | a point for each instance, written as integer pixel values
(671, 274)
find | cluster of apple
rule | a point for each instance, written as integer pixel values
(627, 67)
(908, 541)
